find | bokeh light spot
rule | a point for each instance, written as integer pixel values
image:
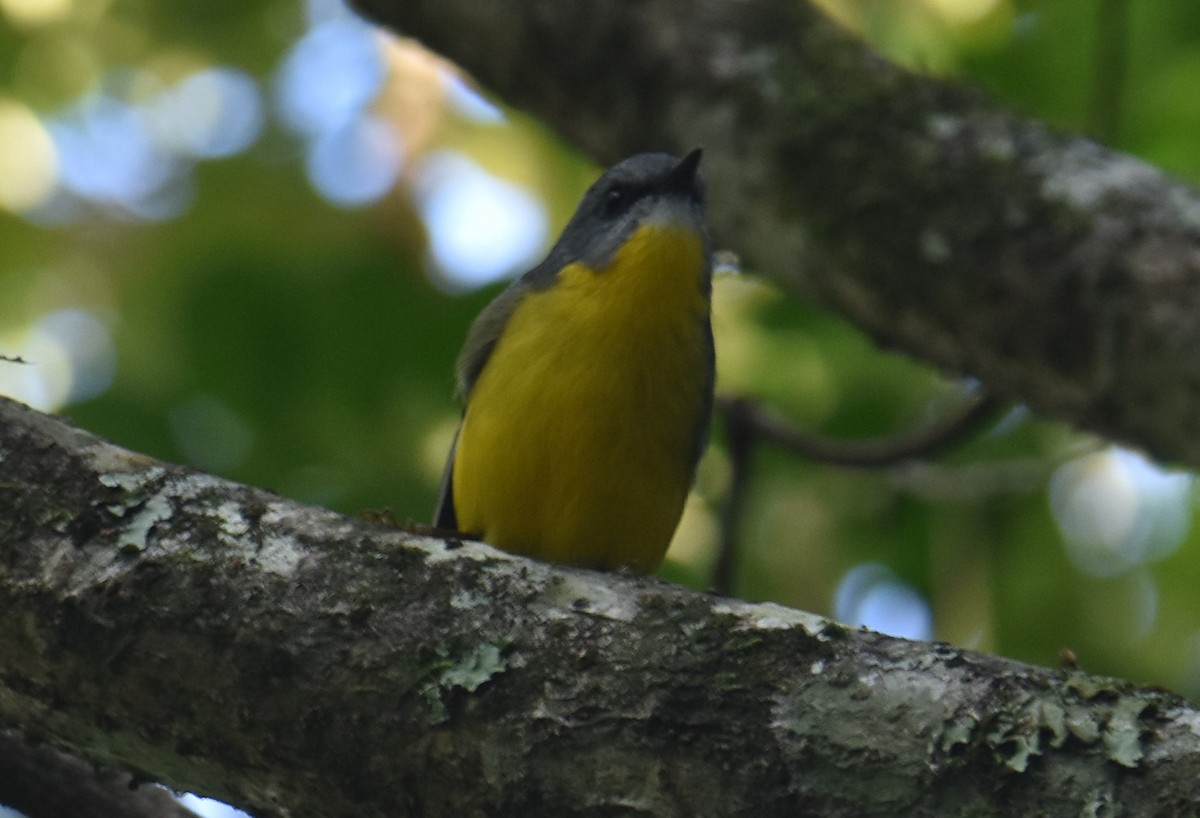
(469, 103)
(963, 12)
(872, 596)
(90, 351)
(28, 162)
(323, 11)
(330, 77)
(44, 380)
(1117, 510)
(357, 164)
(106, 154)
(36, 12)
(209, 808)
(480, 227)
(212, 113)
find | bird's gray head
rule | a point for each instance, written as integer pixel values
(643, 189)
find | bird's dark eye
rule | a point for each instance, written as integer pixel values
(616, 199)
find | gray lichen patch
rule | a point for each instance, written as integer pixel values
(134, 536)
(1123, 730)
(1019, 731)
(768, 616)
(441, 550)
(468, 672)
(280, 555)
(1085, 178)
(132, 482)
(143, 500)
(582, 592)
(475, 669)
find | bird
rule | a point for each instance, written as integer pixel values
(587, 384)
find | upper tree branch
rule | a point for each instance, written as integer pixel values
(1063, 274)
(226, 641)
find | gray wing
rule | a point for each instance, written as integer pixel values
(482, 338)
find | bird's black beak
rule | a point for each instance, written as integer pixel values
(682, 176)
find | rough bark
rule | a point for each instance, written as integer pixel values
(226, 641)
(1063, 274)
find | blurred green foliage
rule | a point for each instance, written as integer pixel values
(272, 337)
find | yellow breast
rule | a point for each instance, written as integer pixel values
(579, 436)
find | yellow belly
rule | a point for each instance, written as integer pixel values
(579, 436)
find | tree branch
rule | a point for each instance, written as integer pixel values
(1060, 273)
(748, 423)
(751, 419)
(229, 642)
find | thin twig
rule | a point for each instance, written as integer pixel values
(748, 423)
(741, 437)
(922, 443)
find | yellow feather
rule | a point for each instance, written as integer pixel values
(579, 436)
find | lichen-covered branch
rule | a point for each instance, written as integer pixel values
(224, 640)
(1062, 274)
